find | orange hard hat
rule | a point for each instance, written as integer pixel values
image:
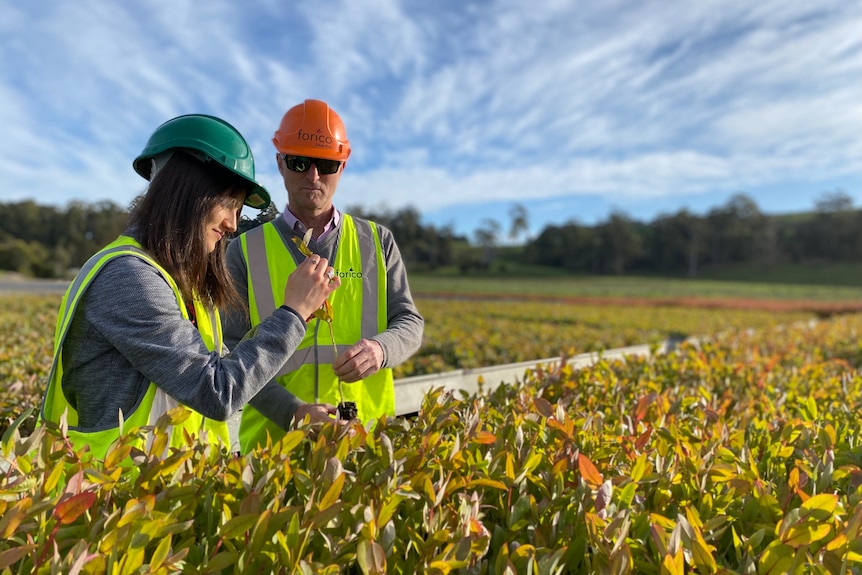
(312, 129)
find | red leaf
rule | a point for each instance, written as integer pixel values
(589, 471)
(642, 440)
(72, 508)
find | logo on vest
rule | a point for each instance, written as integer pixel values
(349, 274)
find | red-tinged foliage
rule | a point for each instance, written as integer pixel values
(743, 458)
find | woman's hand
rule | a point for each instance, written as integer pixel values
(309, 285)
(315, 412)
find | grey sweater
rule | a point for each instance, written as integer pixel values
(128, 331)
(399, 340)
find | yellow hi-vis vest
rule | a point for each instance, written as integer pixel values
(155, 402)
(359, 311)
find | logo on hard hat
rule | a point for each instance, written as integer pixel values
(317, 138)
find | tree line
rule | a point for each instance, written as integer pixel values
(48, 242)
(681, 243)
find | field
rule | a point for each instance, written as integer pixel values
(476, 323)
(739, 454)
(793, 290)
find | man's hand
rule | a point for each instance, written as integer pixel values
(358, 361)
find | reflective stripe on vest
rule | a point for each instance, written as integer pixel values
(359, 311)
(261, 285)
(155, 402)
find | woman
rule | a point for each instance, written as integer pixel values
(139, 332)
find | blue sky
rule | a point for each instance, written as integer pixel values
(458, 108)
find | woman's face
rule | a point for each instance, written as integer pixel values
(222, 219)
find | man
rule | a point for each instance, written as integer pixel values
(374, 322)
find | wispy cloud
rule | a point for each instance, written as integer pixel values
(448, 103)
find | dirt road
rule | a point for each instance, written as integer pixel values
(12, 284)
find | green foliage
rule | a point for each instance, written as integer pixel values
(738, 455)
(743, 286)
(46, 241)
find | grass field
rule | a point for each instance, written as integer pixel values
(630, 287)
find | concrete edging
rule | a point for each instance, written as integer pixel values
(410, 391)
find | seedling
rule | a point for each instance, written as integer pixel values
(325, 311)
(346, 409)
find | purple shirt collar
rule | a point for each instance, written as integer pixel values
(298, 226)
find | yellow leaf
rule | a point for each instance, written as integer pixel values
(485, 482)
(722, 472)
(333, 493)
(510, 466)
(324, 312)
(702, 553)
(302, 244)
(806, 533)
(673, 564)
(160, 554)
(484, 438)
(837, 543)
(662, 521)
(53, 479)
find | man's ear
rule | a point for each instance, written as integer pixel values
(278, 162)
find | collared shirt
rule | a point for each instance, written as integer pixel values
(299, 227)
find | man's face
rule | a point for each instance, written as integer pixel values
(309, 193)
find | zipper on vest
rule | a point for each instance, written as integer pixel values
(316, 362)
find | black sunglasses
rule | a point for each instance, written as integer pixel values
(302, 163)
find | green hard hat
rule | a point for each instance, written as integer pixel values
(214, 137)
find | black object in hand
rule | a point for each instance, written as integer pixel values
(347, 410)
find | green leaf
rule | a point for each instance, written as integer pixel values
(819, 507)
(160, 554)
(221, 561)
(238, 526)
(777, 559)
(640, 467)
(292, 534)
(388, 509)
(11, 556)
(627, 495)
(12, 431)
(806, 533)
(371, 558)
(810, 408)
(325, 516)
(259, 533)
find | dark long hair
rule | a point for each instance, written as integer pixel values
(169, 222)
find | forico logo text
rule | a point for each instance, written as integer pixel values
(317, 138)
(349, 274)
